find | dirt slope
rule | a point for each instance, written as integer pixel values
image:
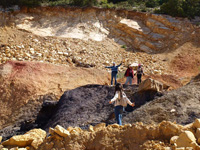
(22, 83)
(89, 105)
(181, 106)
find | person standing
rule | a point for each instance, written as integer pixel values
(121, 101)
(139, 74)
(114, 71)
(129, 75)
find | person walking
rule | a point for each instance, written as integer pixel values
(121, 101)
(114, 71)
(139, 74)
(129, 75)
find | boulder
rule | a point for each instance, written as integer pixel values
(16, 148)
(196, 123)
(173, 139)
(186, 139)
(197, 134)
(33, 138)
(99, 126)
(168, 129)
(180, 148)
(61, 131)
(150, 84)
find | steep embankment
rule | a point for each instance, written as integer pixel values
(24, 86)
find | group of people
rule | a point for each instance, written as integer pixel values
(120, 99)
(129, 74)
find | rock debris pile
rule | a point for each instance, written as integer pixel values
(165, 136)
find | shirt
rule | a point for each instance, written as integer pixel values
(129, 73)
(114, 68)
(117, 102)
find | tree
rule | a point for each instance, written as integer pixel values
(173, 8)
(181, 8)
(191, 8)
(7, 3)
(152, 3)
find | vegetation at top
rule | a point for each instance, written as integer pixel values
(176, 8)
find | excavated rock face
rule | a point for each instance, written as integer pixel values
(145, 32)
(25, 85)
(92, 37)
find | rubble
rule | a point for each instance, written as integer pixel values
(136, 136)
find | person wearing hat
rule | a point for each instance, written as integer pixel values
(114, 71)
(139, 74)
(129, 75)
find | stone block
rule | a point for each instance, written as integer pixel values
(61, 131)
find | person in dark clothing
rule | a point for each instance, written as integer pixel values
(139, 74)
(129, 75)
(114, 72)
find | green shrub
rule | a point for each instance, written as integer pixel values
(173, 8)
(124, 5)
(29, 3)
(108, 5)
(152, 3)
(84, 2)
(181, 8)
(57, 3)
(103, 2)
(142, 8)
(123, 46)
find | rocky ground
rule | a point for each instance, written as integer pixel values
(44, 56)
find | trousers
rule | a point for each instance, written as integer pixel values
(139, 76)
(114, 75)
(118, 114)
(129, 80)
